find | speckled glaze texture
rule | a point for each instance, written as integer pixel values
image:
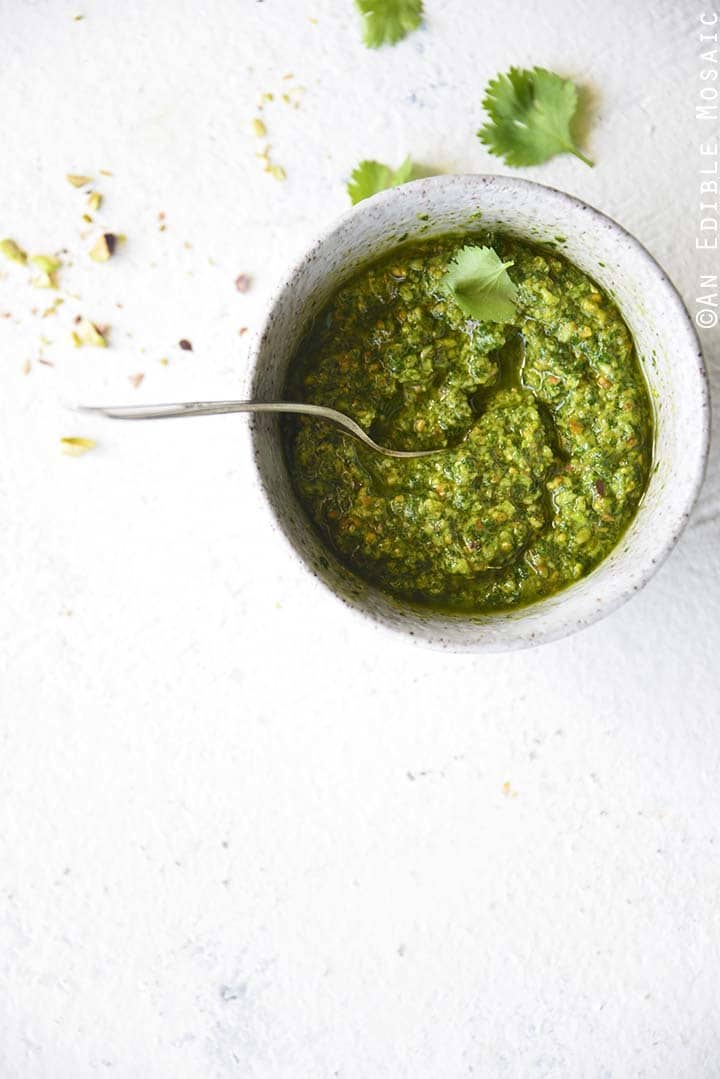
(667, 346)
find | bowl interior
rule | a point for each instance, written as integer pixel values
(667, 347)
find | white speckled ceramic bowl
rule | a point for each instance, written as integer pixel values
(666, 342)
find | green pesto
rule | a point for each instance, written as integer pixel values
(548, 419)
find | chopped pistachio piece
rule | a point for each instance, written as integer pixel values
(11, 251)
(87, 333)
(164, 361)
(94, 201)
(76, 447)
(258, 129)
(277, 171)
(103, 247)
(47, 264)
(76, 180)
(52, 309)
(44, 280)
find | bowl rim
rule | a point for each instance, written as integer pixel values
(560, 622)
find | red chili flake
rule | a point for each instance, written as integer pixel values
(242, 330)
(242, 282)
(161, 216)
(600, 488)
(185, 345)
(135, 380)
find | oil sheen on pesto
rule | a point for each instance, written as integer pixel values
(548, 419)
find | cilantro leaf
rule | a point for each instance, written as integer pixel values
(478, 281)
(388, 21)
(530, 113)
(369, 177)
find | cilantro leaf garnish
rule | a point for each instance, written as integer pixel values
(478, 281)
(530, 114)
(386, 22)
(369, 177)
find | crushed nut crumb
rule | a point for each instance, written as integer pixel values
(76, 447)
(77, 180)
(11, 251)
(104, 247)
(88, 333)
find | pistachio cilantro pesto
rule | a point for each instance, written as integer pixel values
(547, 416)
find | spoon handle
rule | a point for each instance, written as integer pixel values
(206, 408)
(216, 408)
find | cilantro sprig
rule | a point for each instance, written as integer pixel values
(385, 22)
(478, 281)
(369, 177)
(530, 112)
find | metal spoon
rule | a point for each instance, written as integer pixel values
(215, 408)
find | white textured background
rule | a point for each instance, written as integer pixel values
(240, 835)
